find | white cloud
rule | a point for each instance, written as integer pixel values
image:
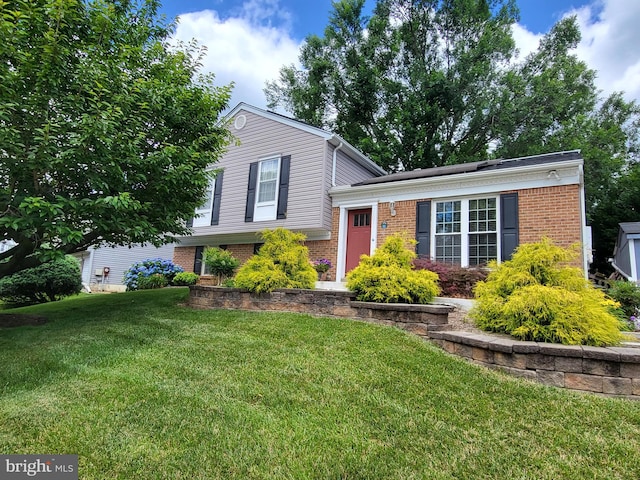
(246, 49)
(610, 39)
(526, 42)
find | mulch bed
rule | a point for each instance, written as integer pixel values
(20, 319)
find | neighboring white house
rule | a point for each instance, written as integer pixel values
(116, 261)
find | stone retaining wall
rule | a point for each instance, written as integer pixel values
(418, 319)
(611, 370)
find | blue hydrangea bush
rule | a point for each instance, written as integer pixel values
(147, 268)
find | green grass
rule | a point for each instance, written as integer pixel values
(140, 387)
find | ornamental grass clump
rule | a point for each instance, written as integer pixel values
(537, 296)
(282, 262)
(388, 276)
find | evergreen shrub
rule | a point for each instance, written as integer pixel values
(48, 282)
(388, 276)
(185, 279)
(281, 262)
(537, 296)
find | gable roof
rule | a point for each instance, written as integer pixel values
(485, 165)
(332, 138)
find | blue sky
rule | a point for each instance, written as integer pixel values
(249, 40)
(310, 16)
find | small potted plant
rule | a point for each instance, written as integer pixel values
(322, 266)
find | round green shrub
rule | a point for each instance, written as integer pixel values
(627, 294)
(388, 276)
(157, 280)
(537, 296)
(220, 262)
(185, 279)
(282, 262)
(48, 282)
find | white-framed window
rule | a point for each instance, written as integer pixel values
(267, 189)
(466, 231)
(448, 232)
(202, 217)
(483, 231)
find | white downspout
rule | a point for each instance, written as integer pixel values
(587, 255)
(335, 163)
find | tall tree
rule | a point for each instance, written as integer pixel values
(105, 130)
(416, 85)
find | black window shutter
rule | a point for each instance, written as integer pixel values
(217, 194)
(283, 192)
(423, 228)
(508, 224)
(197, 263)
(251, 192)
(190, 222)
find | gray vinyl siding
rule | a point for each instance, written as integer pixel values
(348, 171)
(259, 139)
(119, 259)
(623, 259)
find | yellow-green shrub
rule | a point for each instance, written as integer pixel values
(282, 262)
(536, 296)
(388, 276)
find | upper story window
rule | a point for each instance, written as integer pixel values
(268, 191)
(203, 212)
(466, 231)
(208, 212)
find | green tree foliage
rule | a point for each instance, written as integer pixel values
(282, 262)
(47, 282)
(434, 82)
(388, 276)
(536, 296)
(220, 262)
(105, 130)
(416, 85)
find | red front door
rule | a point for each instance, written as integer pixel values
(358, 237)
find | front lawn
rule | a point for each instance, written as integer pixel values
(141, 388)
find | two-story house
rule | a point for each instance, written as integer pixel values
(284, 173)
(277, 174)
